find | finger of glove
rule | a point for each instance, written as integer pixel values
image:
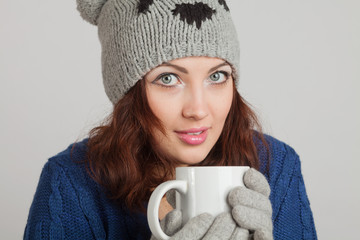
(263, 235)
(171, 223)
(240, 234)
(247, 197)
(195, 228)
(222, 227)
(171, 197)
(254, 180)
(251, 218)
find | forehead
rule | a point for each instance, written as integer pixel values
(197, 60)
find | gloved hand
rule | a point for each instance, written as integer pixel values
(251, 206)
(203, 226)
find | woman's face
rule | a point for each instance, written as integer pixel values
(192, 97)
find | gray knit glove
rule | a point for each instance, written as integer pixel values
(203, 226)
(251, 206)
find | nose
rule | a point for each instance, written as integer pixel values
(196, 104)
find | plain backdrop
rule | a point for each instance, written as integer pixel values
(300, 70)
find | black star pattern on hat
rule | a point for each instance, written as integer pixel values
(144, 5)
(189, 13)
(222, 2)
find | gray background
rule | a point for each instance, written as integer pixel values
(300, 69)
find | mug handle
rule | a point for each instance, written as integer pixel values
(154, 203)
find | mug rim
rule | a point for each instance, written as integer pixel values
(198, 167)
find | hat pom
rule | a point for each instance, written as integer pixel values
(90, 9)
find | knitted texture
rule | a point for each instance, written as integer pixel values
(251, 207)
(68, 204)
(203, 226)
(138, 35)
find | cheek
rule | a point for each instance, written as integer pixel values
(221, 105)
(163, 107)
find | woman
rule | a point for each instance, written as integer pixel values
(171, 70)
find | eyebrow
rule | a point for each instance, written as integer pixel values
(181, 69)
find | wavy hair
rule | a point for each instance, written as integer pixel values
(123, 158)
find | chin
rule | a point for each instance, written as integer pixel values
(192, 158)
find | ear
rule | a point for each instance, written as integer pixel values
(90, 9)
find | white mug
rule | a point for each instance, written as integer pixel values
(199, 190)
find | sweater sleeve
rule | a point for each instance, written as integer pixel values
(292, 217)
(55, 212)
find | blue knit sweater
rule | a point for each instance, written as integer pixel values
(68, 204)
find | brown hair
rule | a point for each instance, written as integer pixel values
(123, 158)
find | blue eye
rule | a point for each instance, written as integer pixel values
(167, 80)
(171, 80)
(216, 77)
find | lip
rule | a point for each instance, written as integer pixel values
(193, 139)
(193, 130)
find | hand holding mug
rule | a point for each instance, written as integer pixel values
(251, 205)
(251, 209)
(199, 190)
(202, 226)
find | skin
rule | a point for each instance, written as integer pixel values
(201, 97)
(182, 101)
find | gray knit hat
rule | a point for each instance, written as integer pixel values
(138, 35)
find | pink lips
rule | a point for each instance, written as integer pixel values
(193, 136)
